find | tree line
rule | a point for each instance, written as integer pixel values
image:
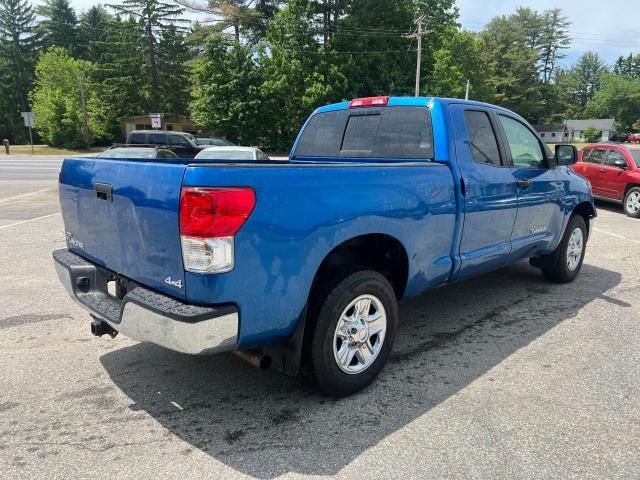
(252, 71)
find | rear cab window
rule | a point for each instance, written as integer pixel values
(388, 132)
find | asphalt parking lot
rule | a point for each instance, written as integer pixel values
(502, 376)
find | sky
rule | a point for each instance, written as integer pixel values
(610, 28)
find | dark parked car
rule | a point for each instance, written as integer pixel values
(184, 145)
(215, 142)
(138, 151)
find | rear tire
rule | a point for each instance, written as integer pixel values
(632, 202)
(565, 263)
(354, 331)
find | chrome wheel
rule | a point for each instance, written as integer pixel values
(359, 334)
(633, 203)
(575, 249)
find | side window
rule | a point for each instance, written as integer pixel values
(158, 138)
(615, 156)
(597, 156)
(137, 138)
(482, 138)
(526, 151)
(178, 140)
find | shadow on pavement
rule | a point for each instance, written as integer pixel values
(265, 424)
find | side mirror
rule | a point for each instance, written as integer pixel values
(619, 163)
(566, 154)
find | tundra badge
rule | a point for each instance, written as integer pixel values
(72, 242)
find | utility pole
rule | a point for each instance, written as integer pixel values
(466, 96)
(85, 123)
(420, 32)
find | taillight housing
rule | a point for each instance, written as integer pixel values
(209, 220)
(369, 102)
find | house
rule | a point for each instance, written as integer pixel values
(553, 133)
(576, 128)
(177, 123)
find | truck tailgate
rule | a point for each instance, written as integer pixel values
(123, 215)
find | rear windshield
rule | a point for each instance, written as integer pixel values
(129, 153)
(225, 155)
(393, 132)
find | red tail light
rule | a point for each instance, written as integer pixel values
(369, 102)
(214, 212)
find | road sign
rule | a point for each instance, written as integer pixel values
(28, 122)
(28, 119)
(156, 120)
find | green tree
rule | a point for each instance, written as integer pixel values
(226, 94)
(173, 55)
(462, 57)
(57, 100)
(373, 52)
(59, 26)
(618, 97)
(628, 67)
(298, 75)
(93, 34)
(514, 76)
(554, 41)
(18, 50)
(122, 76)
(582, 81)
(155, 18)
(591, 135)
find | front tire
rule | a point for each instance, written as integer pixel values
(354, 332)
(565, 263)
(632, 202)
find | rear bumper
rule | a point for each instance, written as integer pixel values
(145, 315)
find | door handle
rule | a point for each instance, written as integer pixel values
(603, 170)
(104, 191)
(524, 183)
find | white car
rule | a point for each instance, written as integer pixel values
(231, 153)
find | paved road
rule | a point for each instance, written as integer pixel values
(503, 376)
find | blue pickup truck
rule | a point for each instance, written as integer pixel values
(303, 261)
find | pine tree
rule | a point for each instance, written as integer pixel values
(93, 33)
(18, 49)
(60, 25)
(628, 67)
(154, 17)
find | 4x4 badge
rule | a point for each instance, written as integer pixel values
(172, 282)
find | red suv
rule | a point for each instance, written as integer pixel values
(614, 173)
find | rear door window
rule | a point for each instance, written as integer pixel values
(394, 132)
(597, 155)
(482, 138)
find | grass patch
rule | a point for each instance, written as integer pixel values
(47, 150)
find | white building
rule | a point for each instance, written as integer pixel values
(575, 128)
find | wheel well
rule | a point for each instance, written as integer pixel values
(381, 253)
(629, 187)
(585, 209)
